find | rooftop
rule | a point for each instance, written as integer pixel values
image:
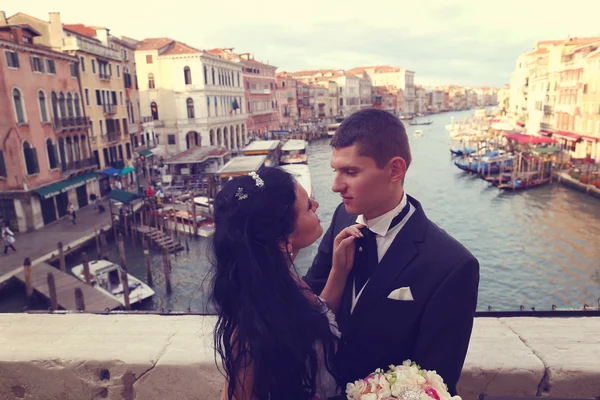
(259, 145)
(294, 144)
(198, 154)
(242, 165)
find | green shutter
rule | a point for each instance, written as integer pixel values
(34, 159)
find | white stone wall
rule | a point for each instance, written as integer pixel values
(88, 357)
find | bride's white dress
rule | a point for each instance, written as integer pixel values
(326, 384)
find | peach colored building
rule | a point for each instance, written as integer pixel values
(260, 88)
(45, 154)
(287, 101)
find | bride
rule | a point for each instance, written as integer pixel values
(275, 337)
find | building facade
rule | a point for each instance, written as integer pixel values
(193, 98)
(287, 101)
(44, 143)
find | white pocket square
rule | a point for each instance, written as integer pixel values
(402, 294)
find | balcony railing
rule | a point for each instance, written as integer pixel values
(146, 120)
(104, 77)
(73, 166)
(547, 110)
(90, 46)
(260, 91)
(111, 137)
(109, 108)
(71, 123)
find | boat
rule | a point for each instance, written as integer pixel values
(406, 117)
(302, 175)
(417, 122)
(271, 149)
(183, 221)
(331, 128)
(106, 277)
(294, 152)
(521, 184)
(418, 133)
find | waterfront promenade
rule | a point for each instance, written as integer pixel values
(40, 244)
(152, 357)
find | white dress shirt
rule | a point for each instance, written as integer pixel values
(384, 236)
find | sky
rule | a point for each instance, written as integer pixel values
(446, 42)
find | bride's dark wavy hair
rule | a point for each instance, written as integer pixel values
(264, 316)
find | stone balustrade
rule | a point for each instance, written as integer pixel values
(145, 357)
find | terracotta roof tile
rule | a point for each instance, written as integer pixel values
(81, 29)
(179, 48)
(154, 43)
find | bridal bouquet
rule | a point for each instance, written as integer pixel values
(406, 382)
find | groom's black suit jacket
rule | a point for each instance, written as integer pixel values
(433, 330)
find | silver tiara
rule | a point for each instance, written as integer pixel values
(257, 179)
(240, 195)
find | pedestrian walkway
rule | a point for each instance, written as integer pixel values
(36, 244)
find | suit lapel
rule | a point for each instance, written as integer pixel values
(401, 252)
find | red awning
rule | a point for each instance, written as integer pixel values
(567, 135)
(528, 139)
(590, 138)
(545, 132)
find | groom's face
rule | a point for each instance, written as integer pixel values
(365, 188)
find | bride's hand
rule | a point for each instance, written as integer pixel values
(343, 248)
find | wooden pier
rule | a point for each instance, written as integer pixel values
(161, 239)
(66, 285)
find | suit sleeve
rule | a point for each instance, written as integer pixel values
(317, 274)
(447, 323)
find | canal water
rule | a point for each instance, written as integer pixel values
(536, 248)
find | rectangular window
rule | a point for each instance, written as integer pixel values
(118, 71)
(37, 65)
(109, 69)
(92, 128)
(128, 150)
(171, 139)
(113, 98)
(93, 66)
(87, 97)
(82, 63)
(121, 95)
(98, 98)
(149, 59)
(74, 70)
(101, 128)
(51, 67)
(12, 59)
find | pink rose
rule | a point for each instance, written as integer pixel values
(432, 393)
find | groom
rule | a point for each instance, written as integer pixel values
(412, 291)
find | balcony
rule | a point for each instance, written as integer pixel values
(74, 166)
(145, 120)
(104, 77)
(77, 43)
(111, 137)
(263, 112)
(547, 110)
(260, 91)
(71, 123)
(109, 109)
(132, 128)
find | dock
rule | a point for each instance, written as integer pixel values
(66, 284)
(161, 239)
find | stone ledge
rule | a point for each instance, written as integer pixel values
(148, 357)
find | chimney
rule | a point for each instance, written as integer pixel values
(56, 31)
(3, 20)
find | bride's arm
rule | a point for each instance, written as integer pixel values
(343, 258)
(243, 389)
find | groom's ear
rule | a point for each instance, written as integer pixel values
(397, 169)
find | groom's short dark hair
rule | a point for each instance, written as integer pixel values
(378, 135)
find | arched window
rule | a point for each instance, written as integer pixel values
(55, 105)
(283, 84)
(213, 75)
(151, 81)
(205, 75)
(61, 105)
(31, 161)
(154, 110)
(52, 156)
(190, 108)
(238, 79)
(43, 108)
(187, 75)
(69, 105)
(77, 106)
(19, 110)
